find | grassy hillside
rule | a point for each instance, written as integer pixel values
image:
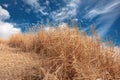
(58, 54)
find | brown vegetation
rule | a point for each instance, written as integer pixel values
(58, 54)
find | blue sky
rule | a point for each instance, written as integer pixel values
(15, 15)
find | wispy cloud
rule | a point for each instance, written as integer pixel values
(5, 5)
(105, 26)
(6, 29)
(35, 5)
(102, 10)
(108, 13)
(4, 14)
(67, 12)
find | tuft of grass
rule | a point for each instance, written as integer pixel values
(68, 54)
(2, 41)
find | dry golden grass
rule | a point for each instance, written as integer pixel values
(2, 41)
(14, 63)
(58, 54)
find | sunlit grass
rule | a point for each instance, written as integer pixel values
(65, 53)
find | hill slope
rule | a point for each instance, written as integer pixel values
(58, 54)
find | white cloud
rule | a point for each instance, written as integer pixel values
(35, 6)
(6, 29)
(4, 14)
(67, 12)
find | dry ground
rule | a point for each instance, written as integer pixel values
(14, 63)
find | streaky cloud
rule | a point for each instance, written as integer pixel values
(106, 13)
